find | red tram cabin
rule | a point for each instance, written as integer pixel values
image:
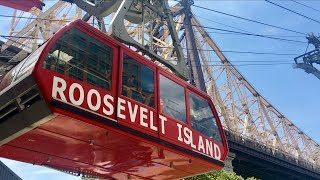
(84, 102)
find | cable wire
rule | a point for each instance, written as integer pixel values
(222, 24)
(227, 51)
(215, 32)
(23, 17)
(293, 11)
(241, 29)
(251, 20)
(4, 36)
(249, 34)
(230, 31)
(240, 52)
(305, 5)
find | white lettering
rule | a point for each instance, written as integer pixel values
(143, 116)
(180, 132)
(71, 94)
(121, 107)
(209, 149)
(56, 89)
(163, 119)
(151, 122)
(109, 105)
(201, 145)
(132, 113)
(217, 152)
(89, 99)
(188, 137)
(146, 117)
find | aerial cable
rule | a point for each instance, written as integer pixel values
(227, 51)
(23, 17)
(215, 32)
(246, 64)
(305, 5)
(241, 52)
(293, 11)
(4, 36)
(258, 22)
(222, 24)
(250, 34)
(239, 29)
(230, 31)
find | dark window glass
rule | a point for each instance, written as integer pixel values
(172, 99)
(202, 118)
(82, 57)
(137, 81)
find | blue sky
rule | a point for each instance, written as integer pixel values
(293, 92)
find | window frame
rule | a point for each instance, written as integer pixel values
(213, 111)
(114, 51)
(144, 62)
(178, 81)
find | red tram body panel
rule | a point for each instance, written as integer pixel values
(83, 102)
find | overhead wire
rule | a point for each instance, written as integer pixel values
(240, 29)
(251, 20)
(249, 34)
(266, 64)
(6, 36)
(218, 29)
(221, 23)
(229, 31)
(249, 63)
(305, 5)
(23, 17)
(26, 46)
(271, 35)
(241, 52)
(252, 52)
(293, 11)
(227, 51)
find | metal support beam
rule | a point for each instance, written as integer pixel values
(195, 68)
(119, 31)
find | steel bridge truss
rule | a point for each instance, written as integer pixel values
(242, 109)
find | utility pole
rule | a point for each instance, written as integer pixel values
(195, 69)
(306, 61)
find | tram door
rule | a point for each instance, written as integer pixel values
(173, 108)
(137, 91)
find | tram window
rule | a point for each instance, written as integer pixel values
(172, 99)
(28, 64)
(202, 118)
(82, 57)
(137, 81)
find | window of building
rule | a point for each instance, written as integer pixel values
(172, 99)
(137, 81)
(202, 118)
(82, 57)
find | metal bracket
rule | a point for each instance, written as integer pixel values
(101, 9)
(308, 69)
(118, 30)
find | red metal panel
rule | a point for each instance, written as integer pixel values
(24, 5)
(65, 143)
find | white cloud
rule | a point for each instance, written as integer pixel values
(34, 172)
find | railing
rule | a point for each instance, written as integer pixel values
(276, 153)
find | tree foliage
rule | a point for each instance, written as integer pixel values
(219, 175)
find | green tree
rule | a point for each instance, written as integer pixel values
(219, 175)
